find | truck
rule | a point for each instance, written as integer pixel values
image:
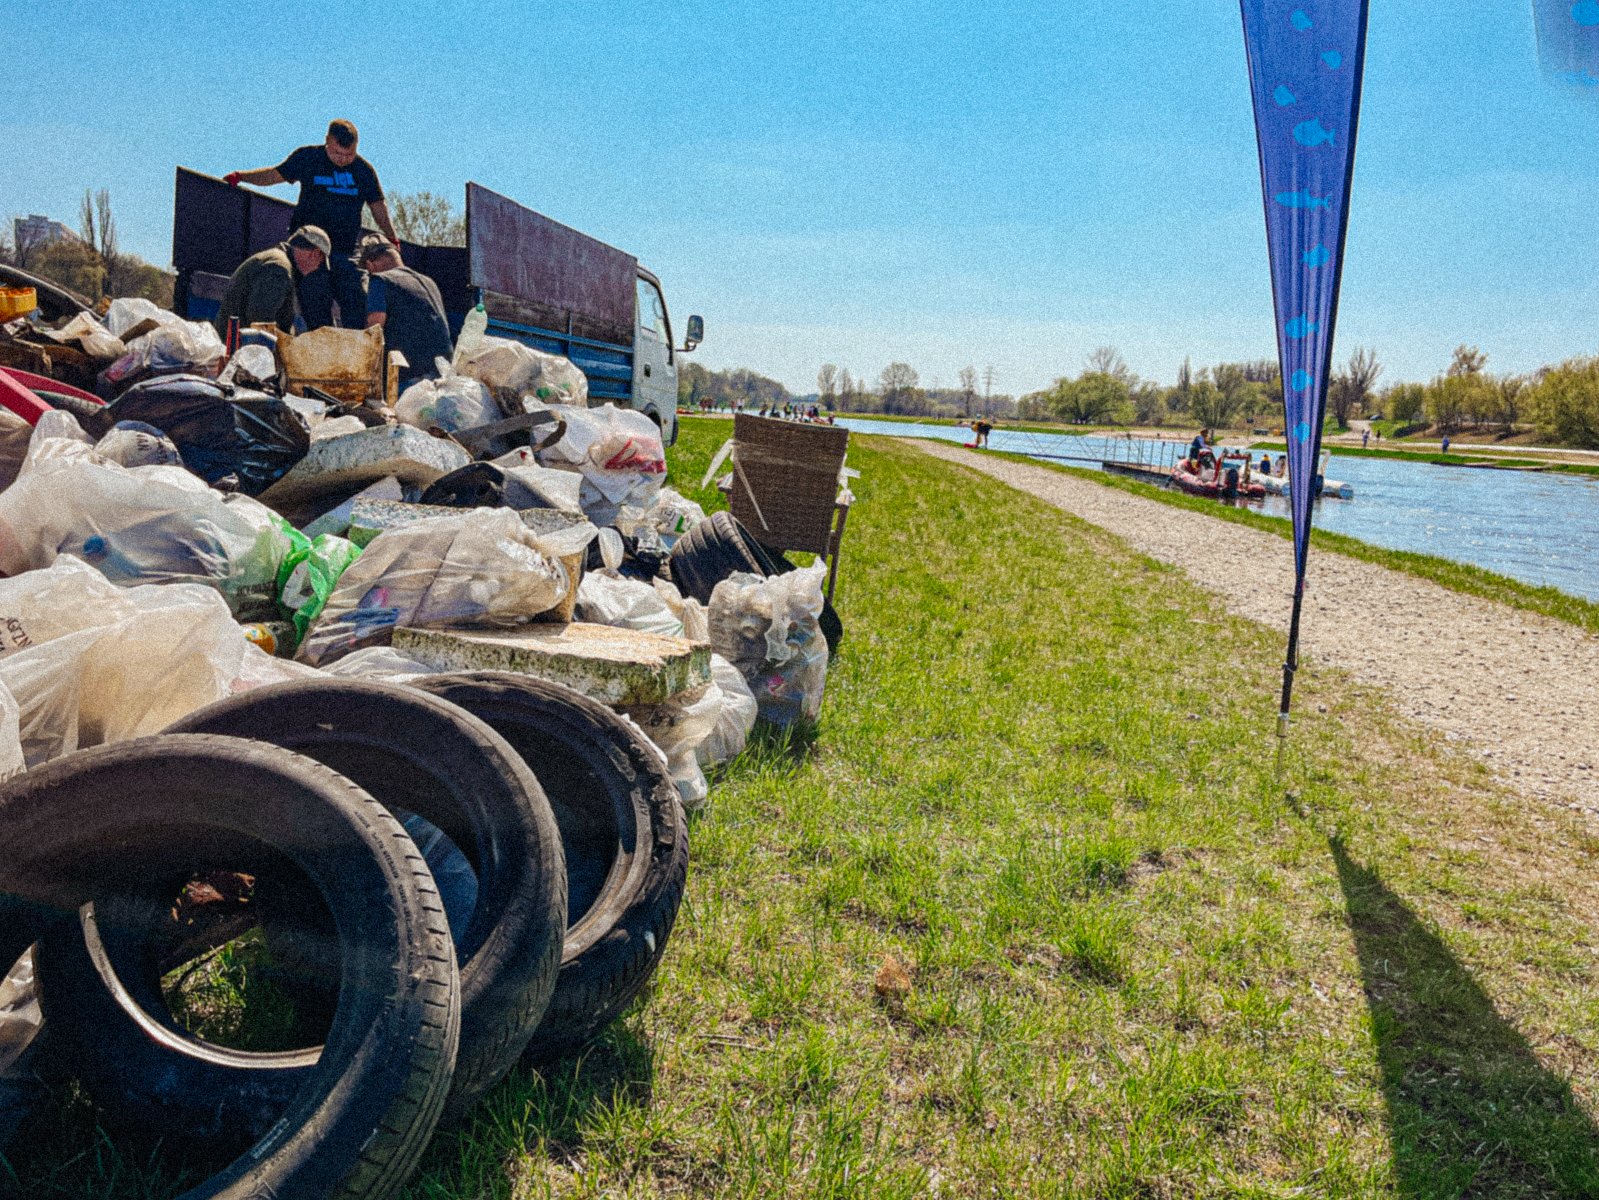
(541, 283)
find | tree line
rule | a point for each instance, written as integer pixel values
(92, 264)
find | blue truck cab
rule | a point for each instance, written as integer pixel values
(541, 283)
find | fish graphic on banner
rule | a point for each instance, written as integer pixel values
(1306, 60)
(1568, 43)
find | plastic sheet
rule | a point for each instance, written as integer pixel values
(618, 452)
(482, 567)
(379, 662)
(89, 662)
(605, 598)
(516, 373)
(222, 433)
(769, 628)
(677, 728)
(137, 524)
(450, 402)
(730, 733)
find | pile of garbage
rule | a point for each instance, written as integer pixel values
(268, 645)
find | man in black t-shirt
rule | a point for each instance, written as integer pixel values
(407, 305)
(335, 183)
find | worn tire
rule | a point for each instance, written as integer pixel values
(718, 547)
(417, 753)
(362, 1115)
(625, 836)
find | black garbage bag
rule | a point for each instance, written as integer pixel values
(219, 430)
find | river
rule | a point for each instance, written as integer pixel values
(1537, 527)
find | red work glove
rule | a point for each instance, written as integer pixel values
(232, 178)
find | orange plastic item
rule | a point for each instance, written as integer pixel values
(14, 302)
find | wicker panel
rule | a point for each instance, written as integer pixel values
(793, 471)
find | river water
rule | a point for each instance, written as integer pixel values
(1536, 527)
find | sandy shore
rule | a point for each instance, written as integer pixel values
(1521, 690)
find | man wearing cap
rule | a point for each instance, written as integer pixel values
(335, 183)
(406, 303)
(262, 289)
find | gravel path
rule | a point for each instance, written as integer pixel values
(1520, 689)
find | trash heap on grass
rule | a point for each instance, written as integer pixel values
(474, 605)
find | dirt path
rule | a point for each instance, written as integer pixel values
(1521, 689)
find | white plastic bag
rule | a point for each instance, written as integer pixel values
(480, 566)
(127, 311)
(176, 346)
(93, 338)
(606, 598)
(689, 612)
(677, 728)
(516, 373)
(450, 402)
(135, 444)
(673, 515)
(156, 524)
(88, 662)
(731, 732)
(770, 629)
(251, 366)
(618, 452)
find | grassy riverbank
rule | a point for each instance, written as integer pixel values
(1459, 577)
(1137, 962)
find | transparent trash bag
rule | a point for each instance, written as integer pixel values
(618, 452)
(606, 598)
(154, 524)
(677, 728)
(479, 567)
(89, 662)
(450, 402)
(730, 733)
(516, 374)
(769, 628)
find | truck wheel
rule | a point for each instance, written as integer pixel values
(367, 1102)
(624, 831)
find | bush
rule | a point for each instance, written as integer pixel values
(1565, 403)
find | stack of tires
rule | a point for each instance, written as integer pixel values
(435, 881)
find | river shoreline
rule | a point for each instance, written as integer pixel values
(1513, 686)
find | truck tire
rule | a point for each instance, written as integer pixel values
(718, 547)
(625, 836)
(416, 753)
(368, 1101)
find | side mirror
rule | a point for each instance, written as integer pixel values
(696, 333)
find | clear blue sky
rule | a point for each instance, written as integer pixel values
(998, 183)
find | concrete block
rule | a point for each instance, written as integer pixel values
(340, 463)
(614, 666)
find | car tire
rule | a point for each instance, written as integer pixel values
(624, 832)
(104, 822)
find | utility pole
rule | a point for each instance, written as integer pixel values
(988, 390)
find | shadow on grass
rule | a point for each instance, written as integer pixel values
(1471, 1110)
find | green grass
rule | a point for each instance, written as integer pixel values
(1142, 964)
(1459, 577)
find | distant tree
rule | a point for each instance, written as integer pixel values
(1177, 399)
(1564, 404)
(1107, 360)
(1467, 360)
(1351, 386)
(827, 386)
(846, 391)
(899, 382)
(1149, 404)
(1511, 392)
(72, 264)
(968, 378)
(1209, 405)
(1094, 397)
(96, 225)
(427, 219)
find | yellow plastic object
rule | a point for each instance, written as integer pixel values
(14, 302)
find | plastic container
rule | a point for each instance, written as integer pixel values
(472, 331)
(14, 302)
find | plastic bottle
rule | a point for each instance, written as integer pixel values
(472, 331)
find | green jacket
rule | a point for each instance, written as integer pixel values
(261, 290)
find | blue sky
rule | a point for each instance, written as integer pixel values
(943, 184)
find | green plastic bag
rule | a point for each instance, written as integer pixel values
(308, 574)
